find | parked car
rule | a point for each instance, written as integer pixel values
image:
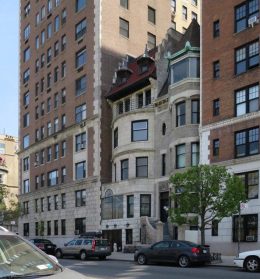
(20, 258)
(45, 245)
(182, 252)
(249, 260)
(85, 247)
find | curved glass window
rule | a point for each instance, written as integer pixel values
(186, 68)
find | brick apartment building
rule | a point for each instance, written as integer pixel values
(230, 109)
(68, 53)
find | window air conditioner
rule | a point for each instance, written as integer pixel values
(250, 238)
(252, 21)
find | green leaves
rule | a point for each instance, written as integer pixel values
(205, 193)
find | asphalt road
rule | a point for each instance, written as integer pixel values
(112, 269)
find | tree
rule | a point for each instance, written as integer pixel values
(203, 194)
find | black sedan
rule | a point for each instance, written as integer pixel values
(45, 245)
(182, 252)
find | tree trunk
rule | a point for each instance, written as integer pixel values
(202, 235)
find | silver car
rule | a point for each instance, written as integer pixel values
(21, 259)
(84, 248)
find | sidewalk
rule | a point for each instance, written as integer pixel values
(119, 256)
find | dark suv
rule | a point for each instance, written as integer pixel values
(45, 245)
(182, 252)
(83, 248)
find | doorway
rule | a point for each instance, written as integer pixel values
(164, 204)
(113, 236)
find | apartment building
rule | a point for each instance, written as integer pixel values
(69, 50)
(9, 166)
(230, 114)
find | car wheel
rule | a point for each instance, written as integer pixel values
(184, 261)
(252, 264)
(102, 258)
(141, 259)
(83, 255)
(58, 254)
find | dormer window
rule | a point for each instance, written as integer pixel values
(143, 68)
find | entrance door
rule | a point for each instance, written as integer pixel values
(113, 236)
(164, 203)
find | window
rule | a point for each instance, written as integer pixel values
(63, 148)
(112, 207)
(37, 65)
(130, 206)
(63, 227)
(216, 107)
(49, 130)
(26, 98)
(186, 68)
(80, 113)
(26, 207)
(251, 183)
(63, 95)
(214, 228)
(26, 164)
(139, 130)
(26, 229)
(124, 27)
(81, 85)
(164, 129)
(42, 12)
(247, 100)
(63, 121)
(80, 225)
(26, 54)
(37, 42)
(216, 29)
(195, 112)
(63, 16)
(63, 69)
(49, 203)
(80, 170)
(26, 141)
(216, 147)
(37, 19)
(194, 2)
(63, 42)
(49, 55)
(120, 107)
(124, 169)
(244, 12)
(48, 80)
(129, 236)
(116, 137)
(151, 41)
(246, 57)
(56, 48)
(63, 200)
(42, 204)
(42, 61)
(2, 148)
(56, 74)
(36, 204)
(63, 174)
(80, 198)
(56, 202)
(180, 114)
(80, 4)
(180, 156)
(81, 57)
(56, 125)
(27, 9)
(56, 151)
(163, 168)
(56, 100)
(216, 70)
(56, 23)
(142, 167)
(48, 227)
(56, 227)
(43, 37)
(49, 154)
(49, 7)
(147, 97)
(145, 205)
(80, 29)
(26, 75)
(80, 141)
(195, 153)
(151, 15)
(42, 156)
(248, 228)
(194, 16)
(26, 186)
(184, 13)
(57, 3)
(124, 4)
(53, 178)
(37, 88)
(247, 142)
(26, 120)
(42, 179)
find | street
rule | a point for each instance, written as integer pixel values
(125, 269)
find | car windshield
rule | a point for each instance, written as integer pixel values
(19, 258)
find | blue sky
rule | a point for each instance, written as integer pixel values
(9, 63)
